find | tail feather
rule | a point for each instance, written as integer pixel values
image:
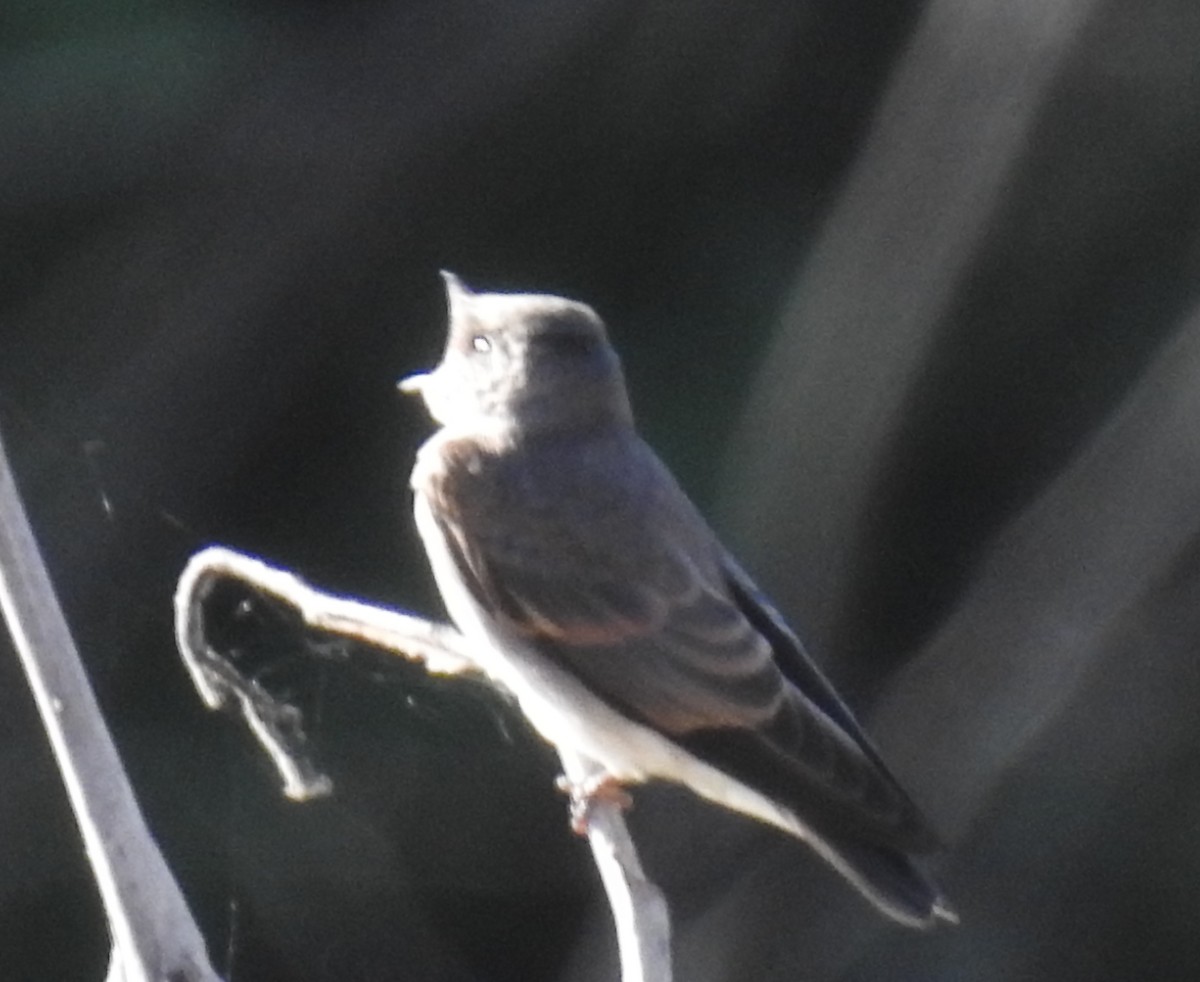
(888, 878)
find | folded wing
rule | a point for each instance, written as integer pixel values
(664, 627)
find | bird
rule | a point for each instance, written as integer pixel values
(596, 594)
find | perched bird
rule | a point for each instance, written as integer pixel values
(601, 600)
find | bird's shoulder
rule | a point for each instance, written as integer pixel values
(452, 467)
(587, 507)
(485, 472)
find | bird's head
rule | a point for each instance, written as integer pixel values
(540, 362)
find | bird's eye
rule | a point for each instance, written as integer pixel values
(481, 344)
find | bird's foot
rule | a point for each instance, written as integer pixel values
(585, 794)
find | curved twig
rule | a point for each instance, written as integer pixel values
(639, 910)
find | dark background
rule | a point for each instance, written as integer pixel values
(906, 294)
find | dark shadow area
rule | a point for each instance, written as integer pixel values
(904, 293)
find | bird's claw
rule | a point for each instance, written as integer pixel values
(585, 794)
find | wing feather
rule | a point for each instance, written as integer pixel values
(638, 600)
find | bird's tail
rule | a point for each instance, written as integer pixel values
(888, 878)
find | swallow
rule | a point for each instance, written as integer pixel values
(596, 594)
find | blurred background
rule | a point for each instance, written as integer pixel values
(906, 295)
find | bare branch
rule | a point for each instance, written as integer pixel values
(639, 909)
(154, 938)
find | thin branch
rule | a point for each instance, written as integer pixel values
(639, 909)
(154, 938)
(640, 912)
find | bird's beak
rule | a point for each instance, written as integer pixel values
(457, 293)
(413, 385)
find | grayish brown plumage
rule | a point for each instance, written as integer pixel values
(600, 598)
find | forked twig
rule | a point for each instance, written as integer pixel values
(639, 909)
